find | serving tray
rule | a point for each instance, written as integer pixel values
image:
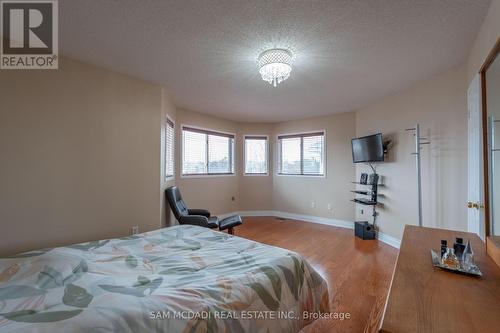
(436, 261)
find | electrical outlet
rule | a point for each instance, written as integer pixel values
(313, 204)
(135, 230)
(329, 206)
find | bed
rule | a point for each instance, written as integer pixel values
(177, 279)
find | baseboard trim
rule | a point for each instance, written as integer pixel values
(316, 219)
(387, 239)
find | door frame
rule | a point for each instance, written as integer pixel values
(484, 110)
(475, 217)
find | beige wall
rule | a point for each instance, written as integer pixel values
(210, 192)
(80, 158)
(485, 40)
(82, 155)
(256, 192)
(283, 193)
(439, 106)
(296, 194)
(168, 111)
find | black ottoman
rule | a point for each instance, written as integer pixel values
(229, 223)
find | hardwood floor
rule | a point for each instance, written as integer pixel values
(358, 272)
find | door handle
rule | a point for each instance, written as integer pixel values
(471, 204)
(475, 205)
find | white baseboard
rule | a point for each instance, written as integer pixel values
(257, 213)
(316, 219)
(389, 240)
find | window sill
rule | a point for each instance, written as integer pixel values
(208, 175)
(256, 174)
(299, 175)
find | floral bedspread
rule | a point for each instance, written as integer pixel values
(177, 279)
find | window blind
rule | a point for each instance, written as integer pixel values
(301, 154)
(169, 149)
(312, 155)
(219, 154)
(256, 155)
(207, 152)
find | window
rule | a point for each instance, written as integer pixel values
(207, 152)
(169, 149)
(301, 154)
(256, 155)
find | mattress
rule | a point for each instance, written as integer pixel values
(176, 279)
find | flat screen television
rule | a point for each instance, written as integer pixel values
(368, 149)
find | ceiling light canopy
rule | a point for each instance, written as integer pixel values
(275, 65)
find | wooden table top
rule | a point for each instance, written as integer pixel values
(427, 299)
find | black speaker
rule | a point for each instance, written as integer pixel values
(364, 179)
(364, 230)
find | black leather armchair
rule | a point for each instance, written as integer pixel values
(200, 217)
(202, 212)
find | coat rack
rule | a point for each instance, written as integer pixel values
(419, 141)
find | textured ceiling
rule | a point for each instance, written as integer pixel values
(347, 54)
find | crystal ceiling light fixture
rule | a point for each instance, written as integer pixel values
(275, 65)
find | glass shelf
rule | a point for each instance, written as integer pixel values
(358, 183)
(364, 202)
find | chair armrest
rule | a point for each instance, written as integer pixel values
(199, 220)
(202, 212)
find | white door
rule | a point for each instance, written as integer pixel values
(475, 178)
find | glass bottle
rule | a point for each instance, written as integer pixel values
(444, 246)
(450, 259)
(468, 256)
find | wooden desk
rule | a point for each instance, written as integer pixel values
(426, 299)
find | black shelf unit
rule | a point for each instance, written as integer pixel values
(378, 185)
(365, 202)
(371, 199)
(361, 192)
(372, 193)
